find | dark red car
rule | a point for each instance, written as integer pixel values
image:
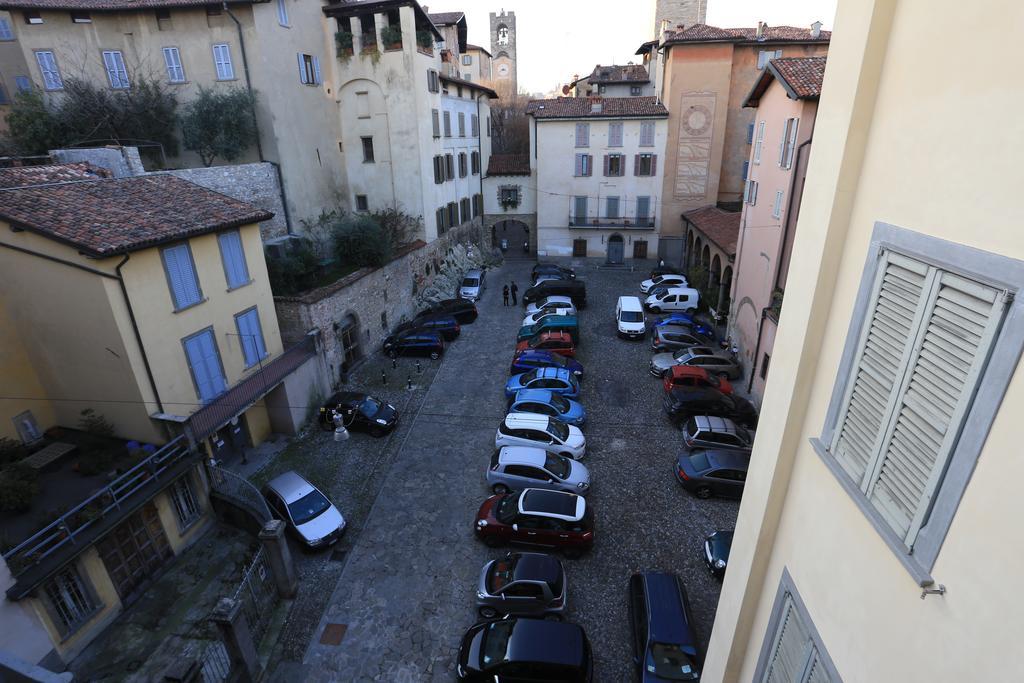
(537, 517)
(557, 342)
(693, 377)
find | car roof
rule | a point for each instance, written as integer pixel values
(559, 373)
(556, 299)
(723, 458)
(668, 621)
(556, 335)
(540, 640)
(538, 395)
(474, 272)
(673, 328)
(347, 397)
(698, 395)
(514, 420)
(548, 503)
(689, 371)
(679, 290)
(290, 486)
(536, 567)
(630, 303)
(522, 455)
(715, 424)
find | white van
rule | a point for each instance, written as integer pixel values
(674, 299)
(629, 317)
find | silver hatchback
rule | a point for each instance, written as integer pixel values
(473, 284)
(529, 584)
(514, 468)
(308, 513)
(696, 356)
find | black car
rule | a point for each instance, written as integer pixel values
(574, 289)
(414, 343)
(462, 310)
(664, 642)
(552, 269)
(359, 411)
(716, 552)
(535, 650)
(713, 472)
(683, 402)
(445, 325)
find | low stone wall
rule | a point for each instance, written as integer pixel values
(374, 301)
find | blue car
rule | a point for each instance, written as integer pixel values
(685, 319)
(546, 402)
(530, 359)
(555, 380)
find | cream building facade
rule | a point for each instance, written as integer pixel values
(879, 518)
(475, 65)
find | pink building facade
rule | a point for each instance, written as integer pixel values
(786, 99)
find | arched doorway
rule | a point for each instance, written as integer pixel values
(616, 249)
(348, 337)
(725, 302)
(513, 238)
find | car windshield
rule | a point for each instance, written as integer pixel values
(700, 461)
(631, 317)
(670, 662)
(308, 507)
(682, 355)
(561, 404)
(369, 407)
(501, 574)
(558, 429)
(557, 465)
(495, 645)
(507, 509)
(528, 377)
(470, 282)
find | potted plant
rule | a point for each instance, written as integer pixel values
(392, 37)
(425, 40)
(343, 40)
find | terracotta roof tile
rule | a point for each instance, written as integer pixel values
(700, 33)
(803, 74)
(445, 18)
(583, 107)
(469, 84)
(721, 227)
(118, 215)
(108, 5)
(630, 73)
(509, 164)
(21, 176)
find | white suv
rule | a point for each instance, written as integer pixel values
(541, 431)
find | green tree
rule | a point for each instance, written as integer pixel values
(219, 124)
(360, 241)
(33, 128)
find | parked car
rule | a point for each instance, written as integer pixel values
(534, 650)
(554, 269)
(551, 302)
(716, 552)
(698, 357)
(664, 270)
(547, 402)
(673, 299)
(516, 468)
(310, 516)
(529, 359)
(549, 519)
(629, 318)
(679, 318)
(359, 411)
(707, 472)
(414, 343)
(522, 584)
(693, 377)
(547, 277)
(556, 342)
(552, 323)
(532, 318)
(574, 289)
(670, 337)
(555, 380)
(473, 284)
(445, 325)
(664, 638)
(462, 310)
(680, 404)
(705, 431)
(541, 431)
(674, 279)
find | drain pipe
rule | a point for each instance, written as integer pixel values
(138, 335)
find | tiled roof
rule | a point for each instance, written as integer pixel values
(115, 216)
(721, 227)
(509, 164)
(469, 84)
(445, 18)
(582, 107)
(644, 47)
(21, 176)
(630, 73)
(470, 46)
(800, 76)
(702, 33)
(108, 5)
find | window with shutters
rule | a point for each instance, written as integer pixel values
(765, 56)
(750, 133)
(4, 98)
(439, 221)
(462, 124)
(635, 90)
(615, 134)
(433, 82)
(463, 170)
(645, 165)
(117, 73)
(70, 600)
(449, 166)
(447, 124)
(746, 170)
(475, 125)
(435, 122)
(48, 68)
(236, 271)
(614, 165)
(758, 142)
(611, 209)
(584, 162)
(788, 143)
(475, 163)
(250, 332)
(750, 192)
(583, 135)
(172, 60)
(282, 12)
(777, 206)
(464, 209)
(579, 210)
(6, 32)
(204, 363)
(794, 656)
(647, 134)
(181, 276)
(643, 210)
(453, 214)
(309, 72)
(222, 62)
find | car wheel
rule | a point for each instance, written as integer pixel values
(434, 355)
(703, 492)
(492, 541)
(488, 613)
(500, 488)
(572, 553)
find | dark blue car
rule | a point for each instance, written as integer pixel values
(664, 642)
(685, 319)
(531, 359)
(414, 343)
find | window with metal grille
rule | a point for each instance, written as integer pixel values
(186, 507)
(70, 600)
(367, 149)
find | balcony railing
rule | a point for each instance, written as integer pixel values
(632, 223)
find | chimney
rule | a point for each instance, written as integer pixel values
(761, 26)
(661, 31)
(426, 10)
(595, 104)
(816, 30)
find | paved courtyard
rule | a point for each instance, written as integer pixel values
(403, 581)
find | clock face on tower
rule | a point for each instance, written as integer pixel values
(697, 120)
(503, 70)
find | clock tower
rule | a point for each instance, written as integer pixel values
(503, 47)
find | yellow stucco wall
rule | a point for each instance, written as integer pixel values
(178, 538)
(20, 379)
(258, 422)
(891, 144)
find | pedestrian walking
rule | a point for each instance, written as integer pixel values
(514, 290)
(504, 295)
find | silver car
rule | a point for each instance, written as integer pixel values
(514, 468)
(308, 513)
(697, 356)
(473, 284)
(553, 301)
(529, 584)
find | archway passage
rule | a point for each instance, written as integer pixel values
(348, 336)
(513, 238)
(616, 249)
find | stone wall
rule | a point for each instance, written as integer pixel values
(378, 300)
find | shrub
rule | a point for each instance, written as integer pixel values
(11, 451)
(361, 242)
(399, 227)
(289, 274)
(18, 486)
(96, 462)
(220, 124)
(94, 423)
(391, 35)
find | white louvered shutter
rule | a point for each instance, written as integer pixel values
(579, 165)
(316, 70)
(816, 672)
(302, 68)
(789, 654)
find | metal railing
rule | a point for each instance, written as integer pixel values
(240, 491)
(215, 663)
(67, 527)
(257, 594)
(642, 223)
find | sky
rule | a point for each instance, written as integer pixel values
(559, 38)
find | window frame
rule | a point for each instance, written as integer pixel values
(224, 261)
(228, 63)
(365, 201)
(242, 339)
(647, 133)
(777, 206)
(6, 30)
(117, 78)
(370, 158)
(88, 593)
(191, 369)
(993, 270)
(176, 52)
(282, 14)
(758, 142)
(195, 273)
(582, 138)
(179, 501)
(56, 71)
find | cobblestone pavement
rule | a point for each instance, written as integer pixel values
(405, 588)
